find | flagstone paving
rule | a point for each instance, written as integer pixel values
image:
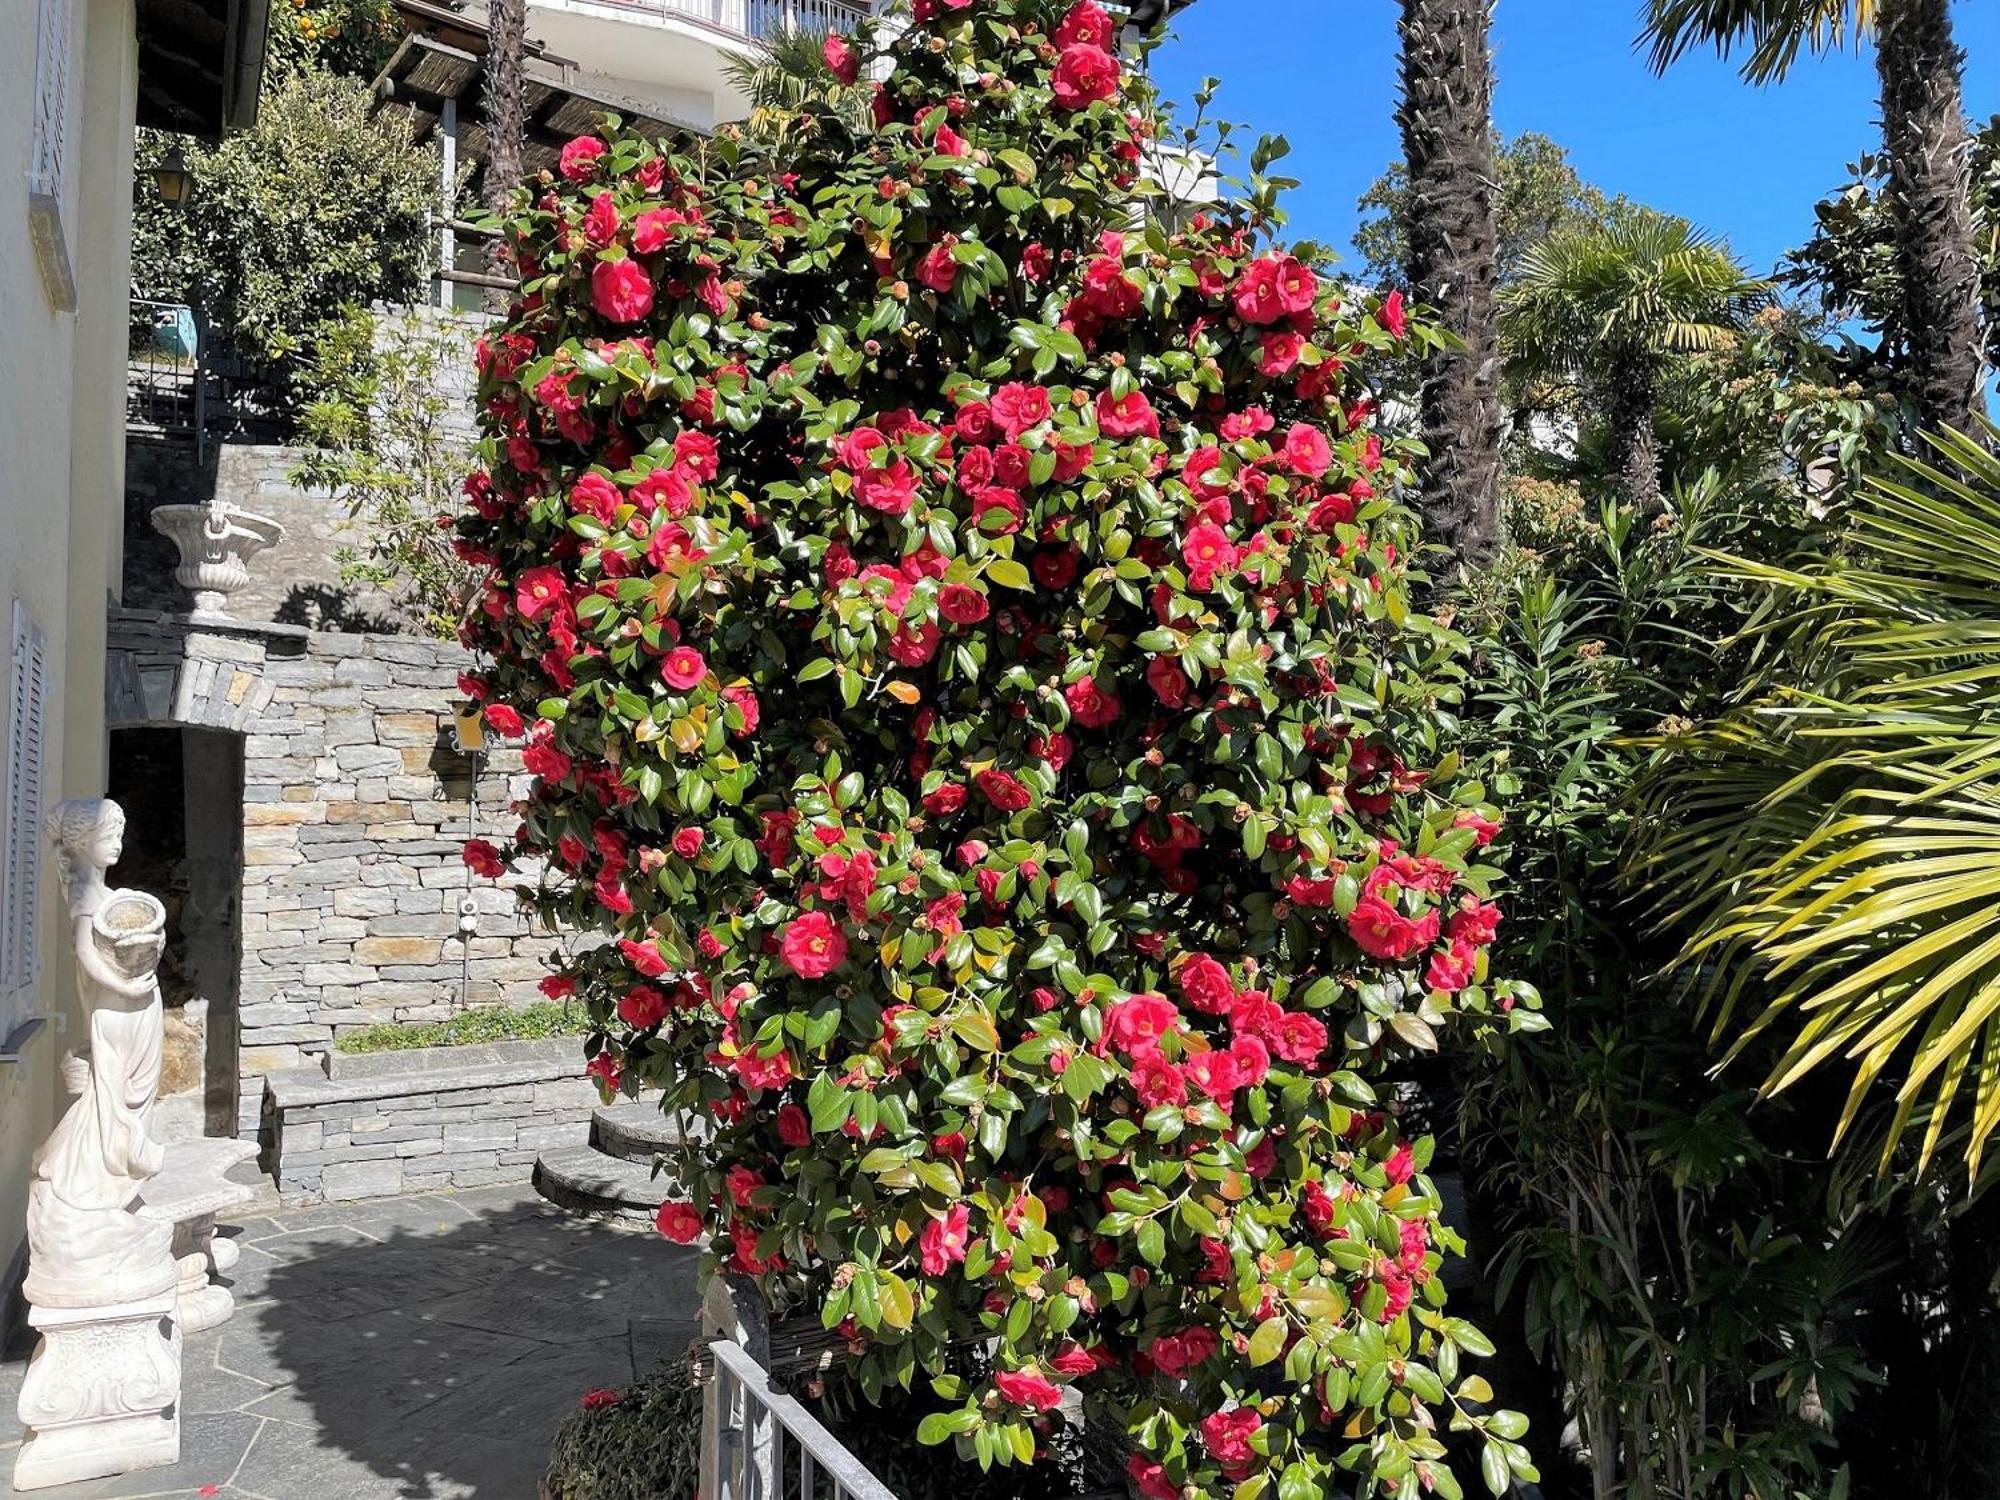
(425, 1346)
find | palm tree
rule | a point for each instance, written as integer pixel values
(787, 77)
(1928, 149)
(506, 126)
(1447, 119)
(1608, 306)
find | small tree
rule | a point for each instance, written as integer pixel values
(961, 635)
(324, 206)
(387, 429)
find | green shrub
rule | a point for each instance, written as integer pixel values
(640, 1444)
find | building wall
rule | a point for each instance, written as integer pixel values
(61, 476)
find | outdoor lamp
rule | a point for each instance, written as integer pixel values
(175, 181)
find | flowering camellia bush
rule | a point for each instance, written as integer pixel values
(956, 612)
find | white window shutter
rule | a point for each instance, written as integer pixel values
(48, 168)
(21, 836)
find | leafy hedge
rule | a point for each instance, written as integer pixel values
(958, 617)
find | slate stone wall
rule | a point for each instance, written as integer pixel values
(417, 1121)
(357, 907)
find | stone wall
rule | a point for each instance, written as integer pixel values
(416, 1121)
(355, 809)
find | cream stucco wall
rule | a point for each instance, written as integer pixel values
(62, 479)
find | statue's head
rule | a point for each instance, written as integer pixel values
(89, 835)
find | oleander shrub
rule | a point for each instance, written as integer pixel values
(959, 619)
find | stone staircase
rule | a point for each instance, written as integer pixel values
(612, 1178)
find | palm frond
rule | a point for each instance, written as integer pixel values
(1773, 32)
(1833, 842)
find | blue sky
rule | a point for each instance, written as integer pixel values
(1742, 162)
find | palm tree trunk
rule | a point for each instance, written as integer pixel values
(1447, 120)
(1923, 127)
(1630, 398)
(506, 126)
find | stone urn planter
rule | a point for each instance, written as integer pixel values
(216, 543)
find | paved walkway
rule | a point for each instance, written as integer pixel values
(413, 1347)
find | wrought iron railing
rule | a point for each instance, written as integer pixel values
(183, 383)
(758, 1443)
(758, 19)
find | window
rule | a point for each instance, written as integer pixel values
(21, 829)
(48, 174)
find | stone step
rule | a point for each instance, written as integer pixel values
(636, 1132)
(585, 1181)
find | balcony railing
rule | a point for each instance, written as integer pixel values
(758, 19)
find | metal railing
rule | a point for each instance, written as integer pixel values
(758, 19)
(758, 1443)
(183, 383)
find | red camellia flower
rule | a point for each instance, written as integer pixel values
(841, 58)
(620, 290)
(1384, 932)
(1086, 25)
(1017, 407)
(814, 946)
(793, 1127)
(745, 702)
(1208, 553)
(502, 720)
(642, 1007)
(962, 605)
(1027, 1388)
(1150, 1478)
(599, 1399)
(1392, 317)
(687, 842)
(1004, 790)
(938, 270)
(1226, 1435)
(1206, 985)
(484, 860)
(538, 591)
(683, 668)
(1083, 76)
(679, 1222)
(1090, 705)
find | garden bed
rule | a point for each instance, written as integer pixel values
(420, 1119)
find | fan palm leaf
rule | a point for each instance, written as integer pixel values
(1775, 31)
(1833, 842)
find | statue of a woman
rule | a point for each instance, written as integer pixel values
(85, 1244)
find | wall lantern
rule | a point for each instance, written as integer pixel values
(174, 180)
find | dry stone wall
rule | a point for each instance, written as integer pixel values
(356, 905)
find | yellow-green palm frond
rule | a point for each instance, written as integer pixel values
(1773, 32)
(1833, 843)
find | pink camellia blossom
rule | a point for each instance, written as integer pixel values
(596, 495)
(1157, 1081)
(1130, 415)
(1401, 1165)
(1149, 1477)
(841, 58)
(679, 1222)
(683, 668)
(621, 290)
(744, 699)
(1136, 1024)
(1206, 985)
(579, 158)
(1384, 932)
(601, 223)
(813, 945)
(1086, 25)
(1307, 452)
(943, 1242)
(1208, 553)
(1084, 75)
(1027, 1388)
(687, 842)
(938, 270)
(1017, 407)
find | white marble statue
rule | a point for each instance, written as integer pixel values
(85, 1246)
(101, 1395)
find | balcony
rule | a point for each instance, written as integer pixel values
(756, 20)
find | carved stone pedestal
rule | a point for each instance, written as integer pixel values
(191, 1189)
(102, 1393)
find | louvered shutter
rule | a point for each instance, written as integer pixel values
(49, 205)
(21, 835)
